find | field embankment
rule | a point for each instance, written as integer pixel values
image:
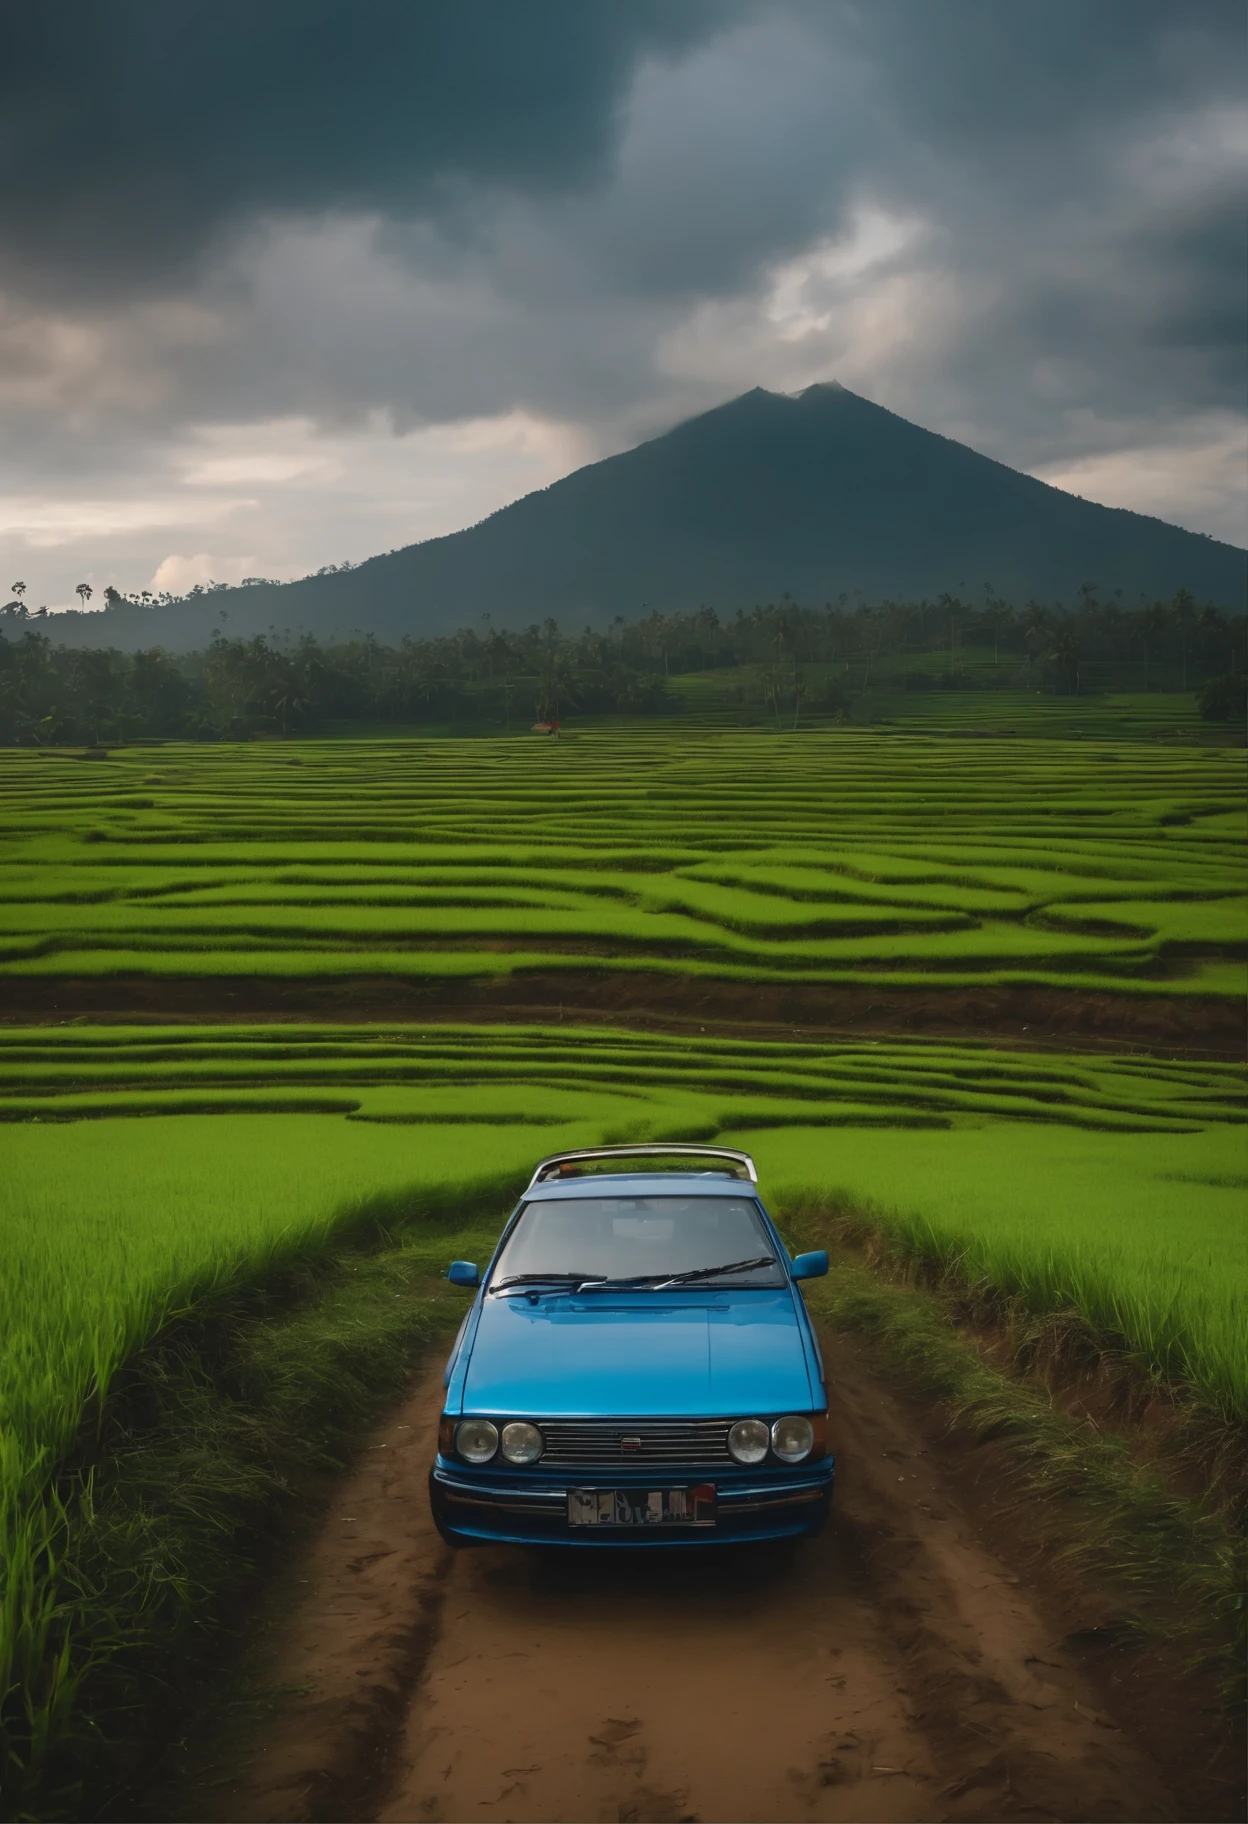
(1193, 1025)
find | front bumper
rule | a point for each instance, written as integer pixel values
(529, 1508)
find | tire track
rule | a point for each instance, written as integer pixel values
(894, 1669)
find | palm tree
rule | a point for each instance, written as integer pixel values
(1152, 623)
(1183, 616)
(19, 590)
(1065, 654)
(998, 614)
(84, 592)
(556, 684)
(1209, 626)
(289, 700)
(801, 688)
(950, 605)
(772, 680)
(1035, 630)
(1110, 624)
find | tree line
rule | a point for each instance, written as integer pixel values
(240, 688)
(790, 660)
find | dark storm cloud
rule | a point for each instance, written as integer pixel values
(970, 73)
(1203, 252)
(136, 135)
(134, 131)
(1008, 117)
(1018, 221)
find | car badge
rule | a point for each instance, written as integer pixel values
(630, 1443)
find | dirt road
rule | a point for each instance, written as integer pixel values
(894, 1669)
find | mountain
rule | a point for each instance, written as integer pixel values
(814, 494)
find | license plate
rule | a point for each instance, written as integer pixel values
(642, 1506)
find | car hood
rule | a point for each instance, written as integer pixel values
(637, 1358)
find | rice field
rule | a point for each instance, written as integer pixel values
(108, 1237)
(880, 701)
(114, 1226)
(144, 1167)
(991, 715)
(821, 857)
(144, 1164)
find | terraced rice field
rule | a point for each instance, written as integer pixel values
(818, 858)
(1169, 717)
(144, 1166)
(713, 700)
(1112, 1184)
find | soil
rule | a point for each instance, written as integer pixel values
(1191, 1025)
(912, 1663)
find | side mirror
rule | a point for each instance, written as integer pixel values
(810, 1266)
(466, 1272)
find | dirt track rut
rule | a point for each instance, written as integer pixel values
(894, 1669)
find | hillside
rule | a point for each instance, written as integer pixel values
(815, 494)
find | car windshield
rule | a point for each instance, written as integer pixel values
(644, 1238)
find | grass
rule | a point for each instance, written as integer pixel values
(160, 1403)
(540, 1074)
(1089, 1495)
(127, 1228)
(723, 699)
(826, 857)
(1169, 717)
(131, 1230)
(115, 1228)
(1144, 1248)
(1103, 1182)
(164, 1185)
(208, 1455)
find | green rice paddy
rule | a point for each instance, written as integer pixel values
(992, 715)
(1111, 1186)
(879, 699)
(146, 1167)
(147, 1163)
(819, 857)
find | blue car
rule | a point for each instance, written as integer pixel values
(637, 1367)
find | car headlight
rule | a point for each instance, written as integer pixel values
(792, 1438)
(476, 1440)
(748, 1440)
(522, 1442)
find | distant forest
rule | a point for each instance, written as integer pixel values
(790, 663)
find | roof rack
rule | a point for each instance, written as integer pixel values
(552, 1167)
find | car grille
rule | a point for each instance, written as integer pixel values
(599, 1441)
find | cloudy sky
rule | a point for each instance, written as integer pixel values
(292, 283)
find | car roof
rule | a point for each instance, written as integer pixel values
(643, 1184)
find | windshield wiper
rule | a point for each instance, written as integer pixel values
(617, 1285)
(544, 1279)
(653, 1282)
(656, 1282)
(732, 1266)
